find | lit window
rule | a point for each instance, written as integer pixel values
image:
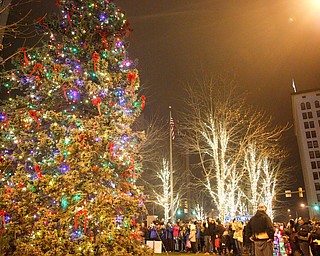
(308, 105)
(304, 115)
(311, 124)
(311, 154)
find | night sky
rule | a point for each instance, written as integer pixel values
(262, 44)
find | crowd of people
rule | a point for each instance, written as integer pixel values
(256, 237)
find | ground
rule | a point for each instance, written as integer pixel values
(184, 254)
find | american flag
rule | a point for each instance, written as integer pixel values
(172, 128)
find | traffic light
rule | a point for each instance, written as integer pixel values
(300, 192)
(288, 193)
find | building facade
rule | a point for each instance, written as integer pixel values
(306, 116)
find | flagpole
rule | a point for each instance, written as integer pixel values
(171, 169)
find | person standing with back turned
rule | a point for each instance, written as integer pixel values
(261, 231)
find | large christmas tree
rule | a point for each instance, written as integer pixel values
(69, 157)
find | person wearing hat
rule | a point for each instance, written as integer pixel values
(261, 231)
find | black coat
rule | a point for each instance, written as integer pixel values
(210, 230)
(260, 223)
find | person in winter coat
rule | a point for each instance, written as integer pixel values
(304, 232)
(208, 232)
(175, 231)
(169, 237)
(238, 236)
(315, 236)
(192, 237)
(261, 231)
(153, 231)
(219, 233)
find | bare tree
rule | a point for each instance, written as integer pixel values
(155, 177)
(223, 133)
(163, 198)
(18, 28)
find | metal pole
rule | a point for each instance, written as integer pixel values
(171, 169)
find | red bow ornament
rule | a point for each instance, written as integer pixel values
(26, 61)
(143, 102)
(97, 102)
(33, 113)
(35, 68)
(38, 171)
(2, 214)
(83, 212)
(95, 58)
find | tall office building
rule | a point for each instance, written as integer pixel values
(306, 116)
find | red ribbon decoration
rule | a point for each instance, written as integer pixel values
(79, 213)
(111, 145)
(40, 20)
(131, 167)
(9, 190)
(35, 68)
(132, 79)
(2, 161)
(143, 103)
(129, 30)
(95, 58)
(38, 171)
(26, 61)
(97, 102)
(33, 113)
(69, 18)
(64, 88)
(2, 214)
(104, 39)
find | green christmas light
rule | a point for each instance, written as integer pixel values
(67, 141)
(76, 197)
(64, 202)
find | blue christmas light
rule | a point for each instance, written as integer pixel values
(103, 17)
(64, 168)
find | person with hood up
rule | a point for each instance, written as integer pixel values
(261, 231)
